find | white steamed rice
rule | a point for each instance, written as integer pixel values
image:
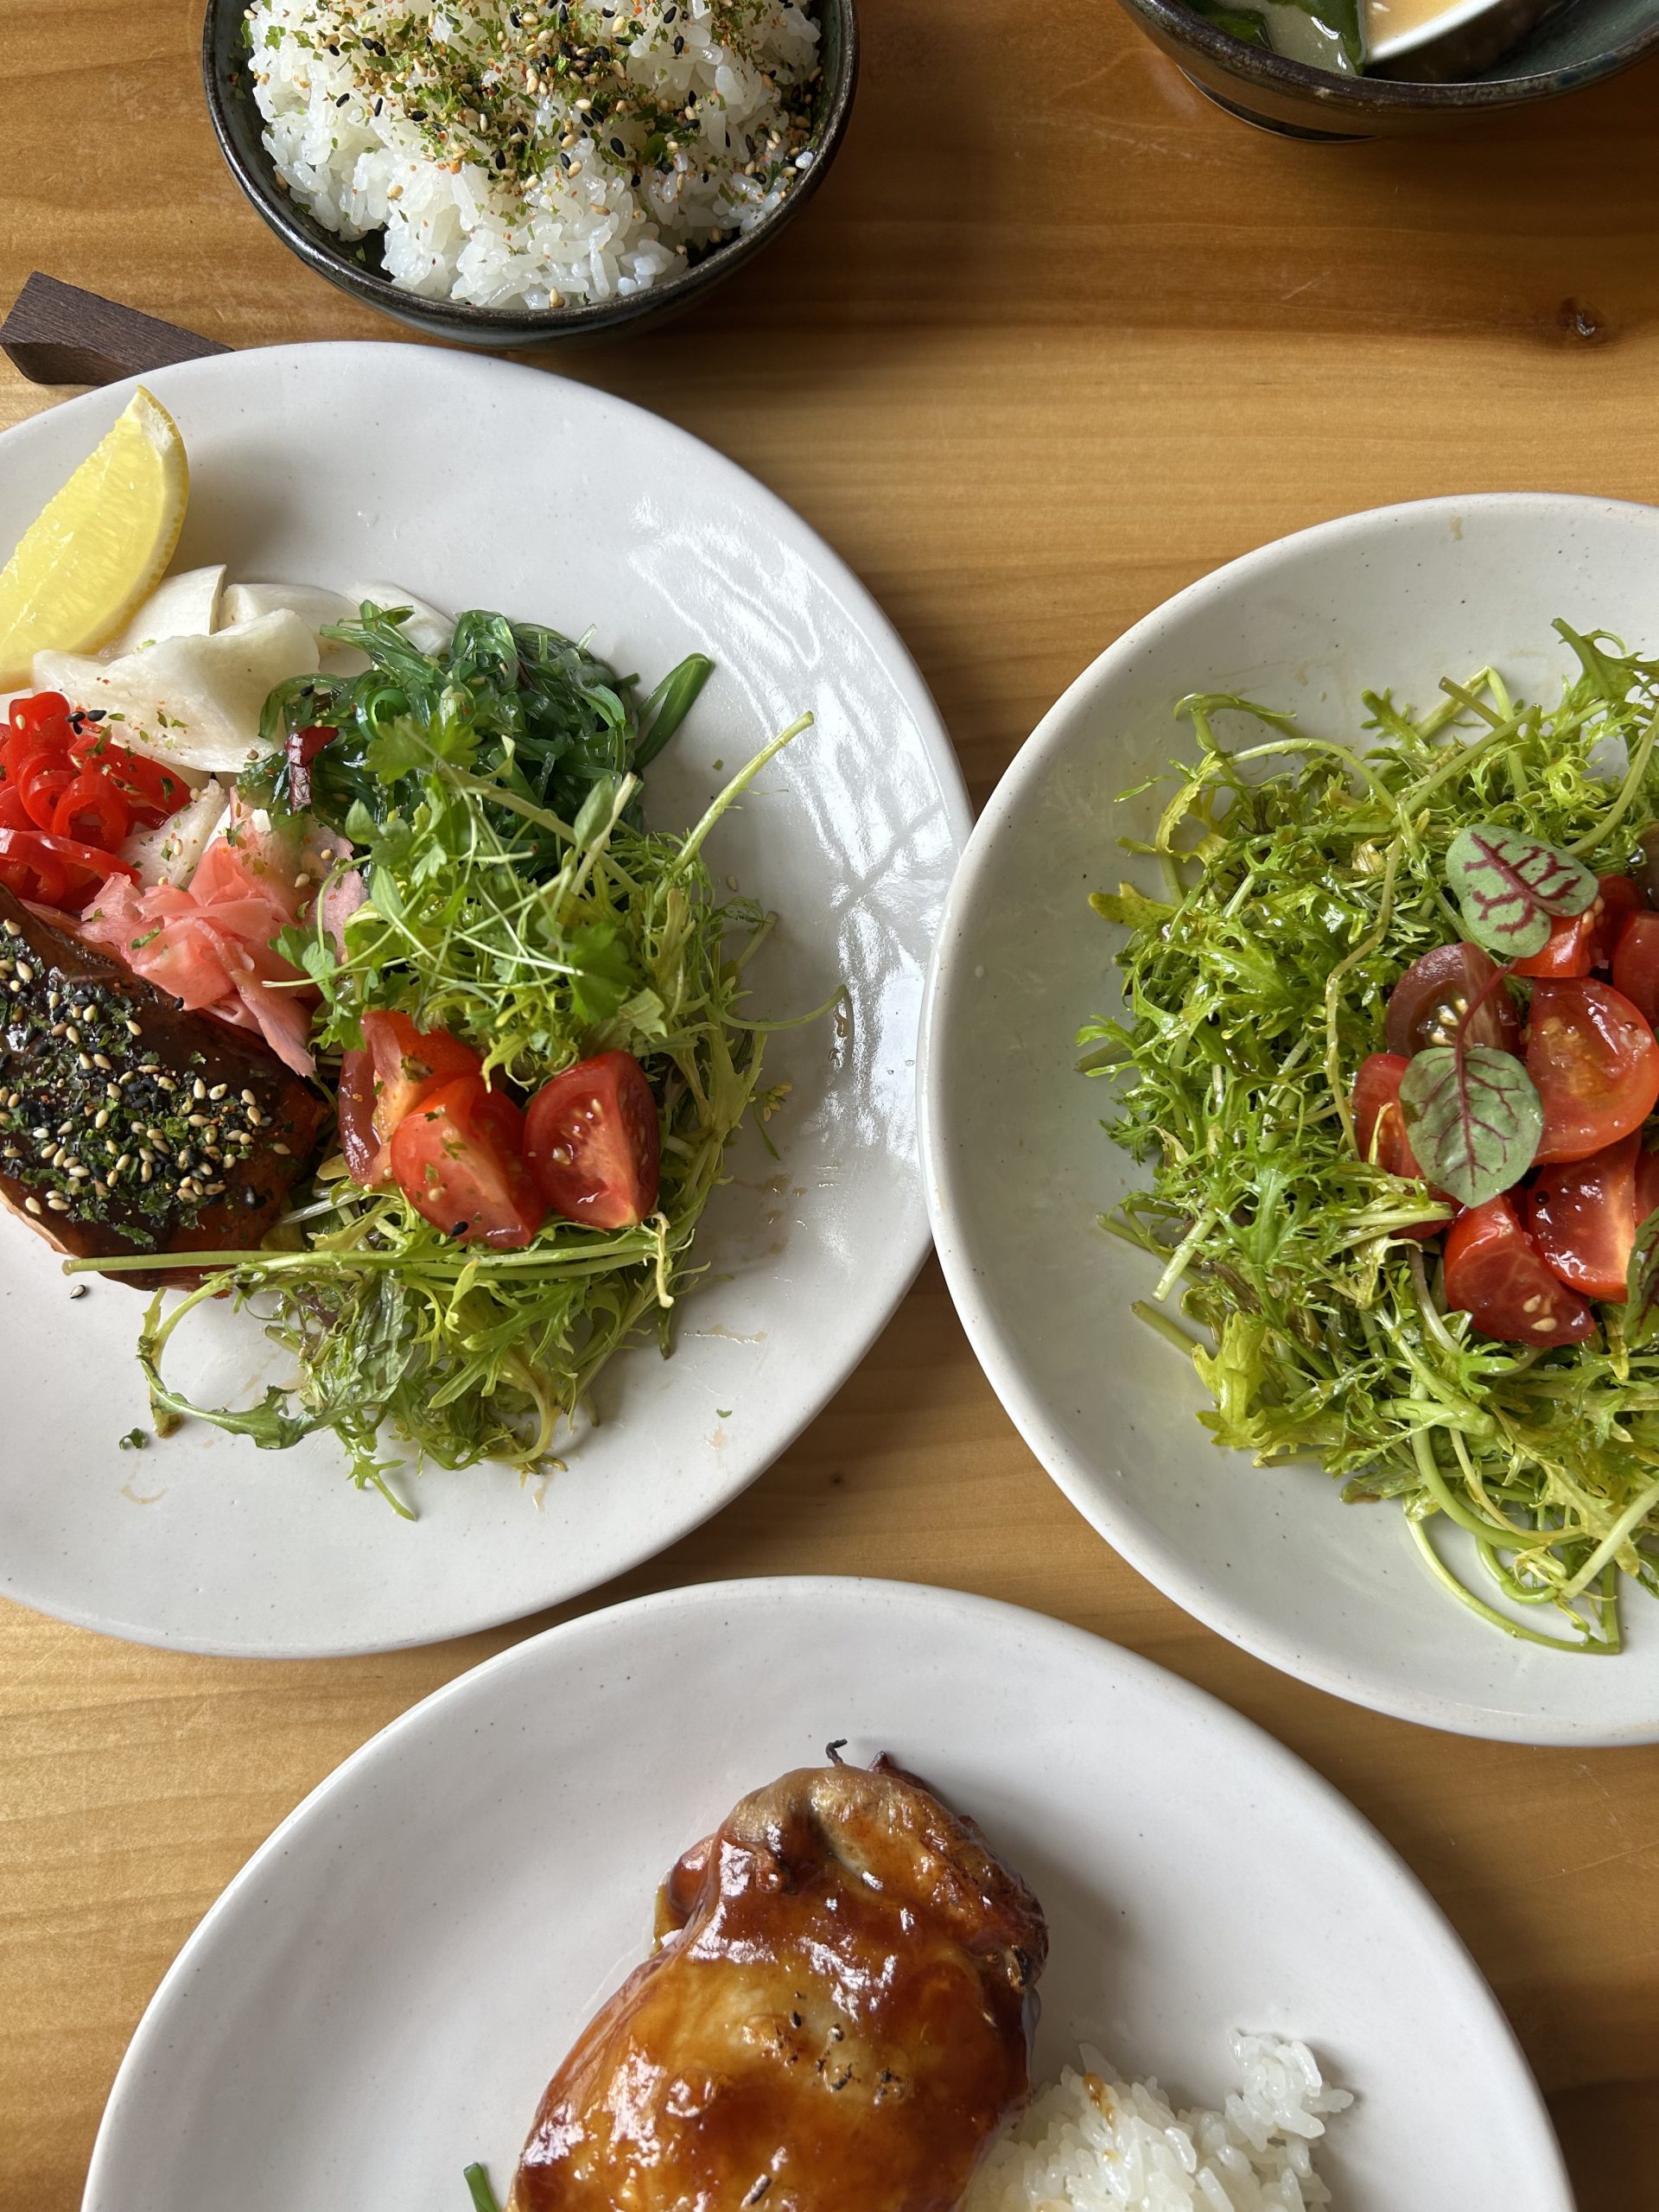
(1094, 2144)
(448, 185)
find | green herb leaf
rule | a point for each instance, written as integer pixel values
(669, 705)
(1510, 886)
(1474, 1118)
(1129, 907)
(1642, 1286)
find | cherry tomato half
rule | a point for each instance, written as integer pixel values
(1437, 991)
(1583, 1213)
(1580, 942)
(1635, 965)
(1380, 1126)
(399, 1067)
(1496, 1275)
(1596, 1066)
(457, 1160)
(593, 1140)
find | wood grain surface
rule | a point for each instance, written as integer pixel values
(1055, 339)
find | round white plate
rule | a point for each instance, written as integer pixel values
(1018, 1169)
(474, 483)
(379, 1997)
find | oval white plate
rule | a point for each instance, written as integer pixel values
(380, 1996)
(476, 483)
(1017, 1167)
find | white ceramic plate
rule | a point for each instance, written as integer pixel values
(476, 483)
(380, 1995)
(1018, 1169)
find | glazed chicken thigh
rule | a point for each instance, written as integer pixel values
(838, 2017)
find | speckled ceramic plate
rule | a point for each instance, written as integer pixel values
(477, 483)
(380, 1996)
(1018, 1169)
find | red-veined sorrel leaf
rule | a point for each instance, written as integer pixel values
(1642, 1285)
(1474, 1118)
(1512, 887)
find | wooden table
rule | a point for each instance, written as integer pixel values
(1055, 339)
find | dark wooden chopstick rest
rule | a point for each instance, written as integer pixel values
(56, 334)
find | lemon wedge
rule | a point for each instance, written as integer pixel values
(97, 550)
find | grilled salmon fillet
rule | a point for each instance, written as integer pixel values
(128, 1125)
(838, 2019)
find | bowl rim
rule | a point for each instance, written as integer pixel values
(948, 983)
(1177, 25)
(511, 325)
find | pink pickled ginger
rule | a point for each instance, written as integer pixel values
(209, 942)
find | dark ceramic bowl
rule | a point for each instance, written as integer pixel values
(354, 265)
(1571, 46)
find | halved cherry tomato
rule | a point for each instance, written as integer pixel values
(1381, 1127)
(1596, 1066)
(593, 1140)
(92, 810)
(1583, 1214)
(1496, 1275)
(1579, 942)
(1635, 965)
(1437, 991)
(399, 1067)
(459, 1165)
